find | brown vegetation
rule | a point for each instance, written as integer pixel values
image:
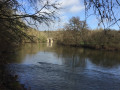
(96, 39)
(76, 35)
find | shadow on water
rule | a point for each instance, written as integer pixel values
(7, 81)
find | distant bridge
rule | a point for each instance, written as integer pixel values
(49, 40)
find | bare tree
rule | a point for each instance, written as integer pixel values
(107, 11)
(14, 12)
(76, 24)
(41, 11)
(75, 30)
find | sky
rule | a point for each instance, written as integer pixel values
(69, 9)
(75, 8)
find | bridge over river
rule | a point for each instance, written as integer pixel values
(50, 40)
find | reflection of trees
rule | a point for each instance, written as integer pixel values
(76, 56)
(70, 56)
(102, 58)
(23, 50)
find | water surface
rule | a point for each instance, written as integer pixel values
(46, 67)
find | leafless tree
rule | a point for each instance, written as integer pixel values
(14, 12)
(107, 11)
(76, 24)
(41, 11)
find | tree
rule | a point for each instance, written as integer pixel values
(13, 13)
(41, 11)
(76, 24)
(105, 11)
(75, 31)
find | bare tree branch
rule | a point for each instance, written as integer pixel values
(104, 10)
(44, 13)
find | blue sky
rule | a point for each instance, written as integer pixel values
(71, 8)
(76, 8)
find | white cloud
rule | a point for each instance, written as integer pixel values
(66, 3)
(72, 6)
(69, 7)
(76, 8)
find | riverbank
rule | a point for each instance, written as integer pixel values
(101, 47)
(7, 81)
(95, 46)
(94, 39)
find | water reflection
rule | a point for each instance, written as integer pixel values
(49, 44)
(65, 68)
(70, 56)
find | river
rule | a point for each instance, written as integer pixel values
(53, 67)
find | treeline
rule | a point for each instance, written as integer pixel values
(15, 35)
(36, 36)
(77, 33)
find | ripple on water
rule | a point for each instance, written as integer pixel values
(45, 76)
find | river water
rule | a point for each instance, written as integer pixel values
(52, 67)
